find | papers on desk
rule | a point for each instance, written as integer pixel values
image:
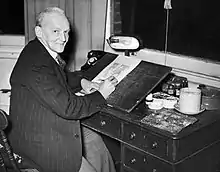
(119, 68)
(168, 120)
(136, 78)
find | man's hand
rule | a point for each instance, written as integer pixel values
(108, 86)
(88, 86)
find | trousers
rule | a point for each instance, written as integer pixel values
(86, 166)
(95, 153)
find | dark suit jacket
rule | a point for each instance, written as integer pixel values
(45, 113)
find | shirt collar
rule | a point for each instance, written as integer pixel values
(52, 53)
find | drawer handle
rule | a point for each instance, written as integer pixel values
(132, 136)
(133, 161)
(154, 145)
(102, 123)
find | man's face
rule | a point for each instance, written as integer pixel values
(55, 32)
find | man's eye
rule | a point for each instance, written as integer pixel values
(56, 31)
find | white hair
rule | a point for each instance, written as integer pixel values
(49, 10)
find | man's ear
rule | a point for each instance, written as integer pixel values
(38, 31)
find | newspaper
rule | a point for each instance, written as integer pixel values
(119, 68)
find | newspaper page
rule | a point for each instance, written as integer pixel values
(119, 68)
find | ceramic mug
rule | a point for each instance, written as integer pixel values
(190, 100)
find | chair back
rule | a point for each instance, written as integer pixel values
(3, 120)
(4, 145)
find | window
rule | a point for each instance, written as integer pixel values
(12, 17)
(12, 26)
(185, 37)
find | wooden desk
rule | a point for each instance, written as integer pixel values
(146, 149)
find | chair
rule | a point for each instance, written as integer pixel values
(8, 162)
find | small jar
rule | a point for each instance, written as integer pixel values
(171, 89)
(177, 89)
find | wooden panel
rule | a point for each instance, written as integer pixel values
(82, 21)
(104, 124)
(193, 143)
(136, 85)
(89, 20)
(207, 160)
(98, 28)
(29, 12)
(144, 140)
(143, 162)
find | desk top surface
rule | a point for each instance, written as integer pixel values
(148, 75)
(204, 119)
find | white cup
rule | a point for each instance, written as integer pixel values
(190, 100)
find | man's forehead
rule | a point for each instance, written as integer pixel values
(56, 20)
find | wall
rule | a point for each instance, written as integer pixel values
(9, 52)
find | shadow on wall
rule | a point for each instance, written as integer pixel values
(70, 49)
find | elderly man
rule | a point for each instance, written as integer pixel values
(44, 109)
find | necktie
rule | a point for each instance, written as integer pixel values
(60, 61)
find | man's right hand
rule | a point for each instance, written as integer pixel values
(108, 86)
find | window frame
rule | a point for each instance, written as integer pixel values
(196, 70)
(11, 45)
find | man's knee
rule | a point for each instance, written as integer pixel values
(89, 135)
(86, 166)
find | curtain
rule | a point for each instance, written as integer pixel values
(87, 19)
(88, 22)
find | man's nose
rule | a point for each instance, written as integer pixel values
(63, 37)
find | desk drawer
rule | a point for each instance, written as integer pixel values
(143, 162)
(104, 123)
(144, 140)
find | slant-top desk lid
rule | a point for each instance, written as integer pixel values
(132, 89)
